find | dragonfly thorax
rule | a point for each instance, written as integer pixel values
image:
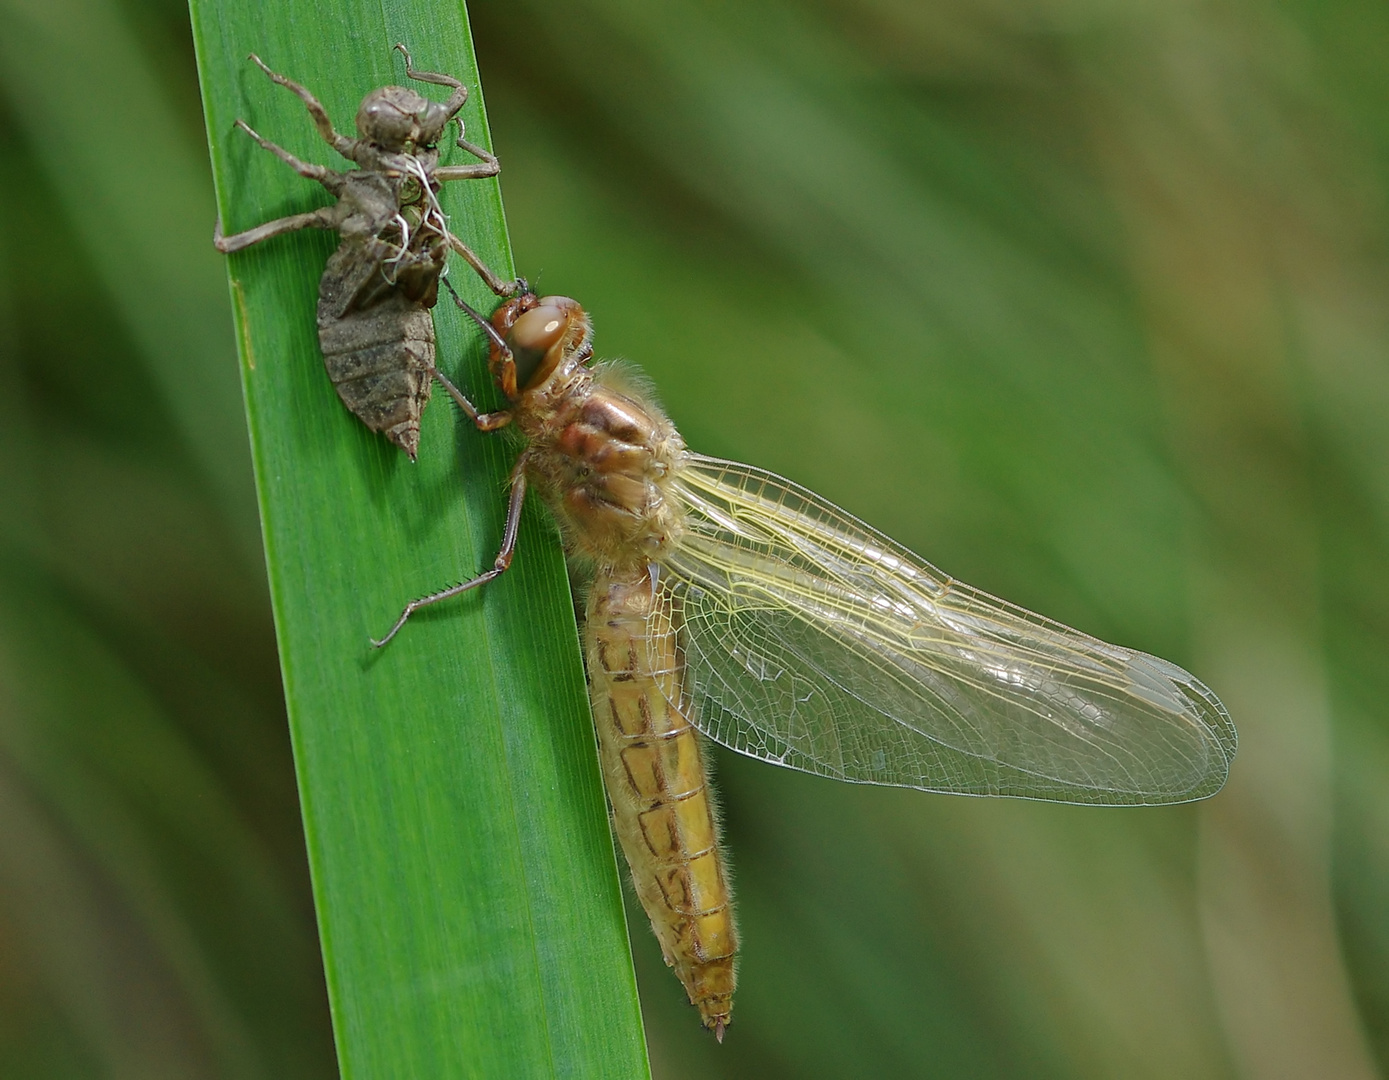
(601, 452)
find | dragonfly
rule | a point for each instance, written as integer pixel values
(727, 601)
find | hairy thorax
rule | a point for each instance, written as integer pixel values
(603, 454)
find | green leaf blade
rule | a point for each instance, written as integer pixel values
(467, 893)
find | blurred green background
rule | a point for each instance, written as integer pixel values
(1086, 302)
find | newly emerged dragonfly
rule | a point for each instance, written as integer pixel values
(374, 297)
(726, 599)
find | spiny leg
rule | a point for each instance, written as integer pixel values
(488, 165)
(485, 421)
(339, 142)
(492, 421)
(482, 321)
(329, 178)
(499, 566)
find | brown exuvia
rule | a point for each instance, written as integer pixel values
(374, 324)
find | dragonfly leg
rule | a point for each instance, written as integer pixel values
(460, 92)
(496, 284)
(329, 178)
(492, 421)
(484, 324)
(334, 138)
(325, 218)
(487, 165)
(499, 566)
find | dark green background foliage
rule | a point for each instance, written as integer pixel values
(1083, 302)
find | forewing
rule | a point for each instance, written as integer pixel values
(813, 641)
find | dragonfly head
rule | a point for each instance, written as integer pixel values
(398, 120)
(538, 335)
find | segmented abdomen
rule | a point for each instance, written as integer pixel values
(653, 766)
(380, 357)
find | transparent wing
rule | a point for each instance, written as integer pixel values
(813, 641)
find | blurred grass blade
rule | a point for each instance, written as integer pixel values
(140, 214)
(468, 900)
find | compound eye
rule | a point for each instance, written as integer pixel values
(532, 336)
